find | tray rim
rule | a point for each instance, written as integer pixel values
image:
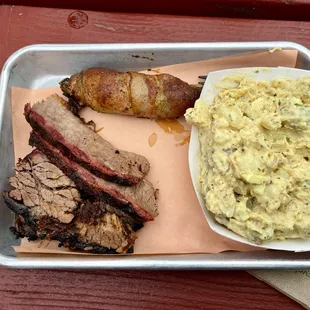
(181, 261)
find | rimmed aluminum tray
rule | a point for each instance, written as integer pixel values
(39, 66)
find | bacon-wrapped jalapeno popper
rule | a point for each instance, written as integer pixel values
(131, 93)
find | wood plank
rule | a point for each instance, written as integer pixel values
(216, 290)
(263, 9)
(4, 22)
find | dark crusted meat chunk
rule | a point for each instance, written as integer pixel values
(47, 205)
(106, 233)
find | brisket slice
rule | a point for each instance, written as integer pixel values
(68, 133)
(139, 199)
(43, 188)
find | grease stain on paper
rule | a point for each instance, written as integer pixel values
(175, 128)
(153, 139)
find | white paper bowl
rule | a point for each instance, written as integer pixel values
(208, 93)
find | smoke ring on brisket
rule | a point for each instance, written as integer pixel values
(139, 199)
(67, 132)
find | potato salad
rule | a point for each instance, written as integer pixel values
(255, 157)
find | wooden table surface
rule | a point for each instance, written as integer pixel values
(266, 9)
(46, 289)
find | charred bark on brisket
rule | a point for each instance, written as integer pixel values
(25, 225)
(42, 213)
(49, 228)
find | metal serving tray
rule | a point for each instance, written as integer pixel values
(39, 66)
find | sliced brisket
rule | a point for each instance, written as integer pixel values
(48, 206)
(68, 133)
(139, 199)
(43, 188)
